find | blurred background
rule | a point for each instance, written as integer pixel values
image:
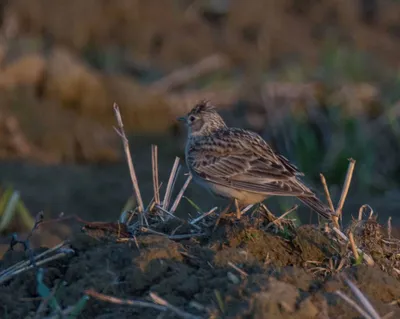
(319, 80)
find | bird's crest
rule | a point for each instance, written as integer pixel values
(203, 106)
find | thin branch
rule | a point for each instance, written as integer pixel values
(176, 237)
(132, 172)
(360, 296)
(327, 193)
(171, 179)
(25, 263)
(174, 182)
(361, 211)
(366, 257)
(185, 315)
(173, 216)
(8, 276)
(246, 209)
(353, 246)
(154, 165)
(129, 302)
(346, 186)
(180, 194)
(197, 219)
(240, 271)
(282, 216)
(353, 304)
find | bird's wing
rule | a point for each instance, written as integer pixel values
(243, 160)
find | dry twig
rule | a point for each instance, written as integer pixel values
(180, 194)
(168, 191)
(361, 211)
(121, 132)
(240, 271)
(154, 165)
(327, 193)
(157, 299)
(360, 296)
(7, 276)
(197, 219)
(130, 302)
(183, 236)
(25, 263)
(366, 257)
(346, 187)
(282, 216)
(353, 246)
(353, 304)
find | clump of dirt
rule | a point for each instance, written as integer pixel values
(384, 249)
(240, 270)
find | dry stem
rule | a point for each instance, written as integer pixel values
(195, 220)
(171, 180)
(154, 165)
(130, 302)
(246, 209)
(157, 299)
(183, 236)
(353, 246)
(327, 193)
(353, 304)
(360, 296)
(121, 132)
(366, 257)
(282, 216)
(240, 271)
(180, 194)
(8, 276)
(25, 263)
(361, 211)
(346, 186)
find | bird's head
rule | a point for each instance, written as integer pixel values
(203, 120)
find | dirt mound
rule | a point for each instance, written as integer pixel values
(239, 271)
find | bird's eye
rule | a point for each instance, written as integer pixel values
(192, 118)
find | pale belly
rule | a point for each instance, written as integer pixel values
(244, 198)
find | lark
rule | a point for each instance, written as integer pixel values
(239, 164)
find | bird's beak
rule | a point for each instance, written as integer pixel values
(182, 119)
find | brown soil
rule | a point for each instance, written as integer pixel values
(195, 275)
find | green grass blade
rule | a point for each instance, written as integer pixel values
(4, 199)
(9, 210)
(78, 307)
(192, 203)
(44, 291)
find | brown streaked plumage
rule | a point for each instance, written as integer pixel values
(238, 164)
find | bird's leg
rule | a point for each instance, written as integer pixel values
(222, 214)
(238, 211)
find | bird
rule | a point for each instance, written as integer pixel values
(239, 164)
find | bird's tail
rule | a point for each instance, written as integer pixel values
(316, 205)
